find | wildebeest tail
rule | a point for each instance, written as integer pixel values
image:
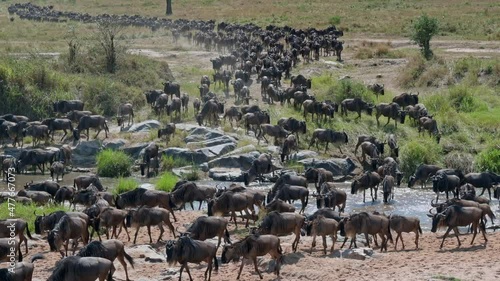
(19, 251)
(216, 263)
(38, 256)
(226, 234)
(129, 258)
(482, 225)
(307, 199)
(28, 232)
(281, 259)
(419, 229)
(389, 234)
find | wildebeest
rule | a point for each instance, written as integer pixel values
(466, 203)
(65, 193)
(196, 106)
(365, 223)
(262, 165)
(75, 115)
(76, 268)
(36, 158)
(377, 89)
(405, 224)
(356, 105)
(388, 188)
(485, 180)
(85, 197)
(6, 245)
(187, 192)
(372, 139)
(39, 197)
(23, 271)
(152, 95)
(416, 111)
(289, 144)
(204, 228)
(422, 173)
(141, 196)
(55, 124)
(455, 216)
(151, 151)
(393, 146)
(146, 216)
(300, 80)
(68, 228)
(175, 106)
(442, 182)
(112, 217)
(161, 103)
(279, 206)
(406, 99)
(231, 202)
(318, 176)
(367, 180)
(65, 106)
(16, 227)
(185, 102)
(232, 113)
(283, 224)
(57, 169)
(391, 111)
(209, 110)
(168, 131)
(329, 136)
(97, 122)
(254, 246)
(172, 88)
(186, 250)
(84, 181)
(293, 126)
(273, 131)
(255, 119)
(429, 125)
(370, 149)
(331, 197)
(37, 132)
(110, 250)
(324, 226)
(47, 222)
(291, 193)
(125, 109)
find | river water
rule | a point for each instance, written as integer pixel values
(407, 201)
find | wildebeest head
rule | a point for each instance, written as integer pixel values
(354, 186)
(402, 116)
(369, 109)
(38, 222)
(130, 217)
(55, 240)
(229, 254)
(436, 219)
(170, 251)
(119, 119)
(76, 134)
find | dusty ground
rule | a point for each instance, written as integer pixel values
(476, 262)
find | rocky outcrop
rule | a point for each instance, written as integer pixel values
(85, 152)
(145, 126)
(338, 166)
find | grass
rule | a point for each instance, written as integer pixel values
(124, 185)
(26, 212)
(169, 162)
(114, 164)
(166, 182)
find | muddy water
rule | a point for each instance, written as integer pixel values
(408, 202)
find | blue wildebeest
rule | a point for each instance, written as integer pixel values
(391, 111)
(365, 223)
(283, 224)
(77, 268)
(146, 216)
(23, 271)
(422, 174)
(204, 228)
(68, 228)
(16, 226)
(485, 180)
(86, 122)
(329, 136)
(405, 224)
(367, 180)
(150, 198)
(65, 106)
(323, 226)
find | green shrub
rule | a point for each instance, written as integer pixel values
(419, 151)
(113, 164)
(169, 162)
(489, 160)
(348, 89)
(166, 182)
(124, 185)
(193, 175)
(335, 20)
(26, 212)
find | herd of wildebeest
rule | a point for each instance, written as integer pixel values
(268, 54)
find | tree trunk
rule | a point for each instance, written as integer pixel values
(169, 7)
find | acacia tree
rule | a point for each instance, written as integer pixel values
(169, 7)
(424, 28)
(107, 35)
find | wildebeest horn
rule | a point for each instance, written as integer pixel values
(430, 211)
(434, 204)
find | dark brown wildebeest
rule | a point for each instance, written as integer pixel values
(84, 181)
(15, 131)
(366, 223)
(422, 174)
(231, 202)
(97, 122)
(324, 226)
(289, 144)
(15, 227)
(185, 102)
(273, 131)
(40, 198)
(175, 106)
(205, 80)
(210, 111)
(290, 179)
(187, 192)
(293, 125)
(429, 125)
(250, 109)
(466, 203)
(329, 136)
(279, 206)
(391, 111)
(186, 250)
(405, 224)
(290, 193)
(146, 216)
(300, 80)
(172, 88)
(152, 96)
(23, 271)
(393, 146)
(112, 217)
(141, 196)
(370, 149)
(232, 113)
(110, 250)
(151, 151)
(86, 197)
(161, 103)
(356, 105)
(256, 119)
(417, 111)
(65, 106)
(290, 93)
(38, 133)
(330, 197)
(65, 193)
(367, 180)
(260, 166)
(406, 99)
(75, 115)
(168, 131)
(313, 107)
(318, 176)
(283, 224)
(64, 155)
(56, 124)
(377, 89)
(83, 269)
(388, 188)
(36, 158)
(300, 97)
(50, 187)
(455, 216)
(254, 246)
(6, 249)
(204, 228)
(196, 106)
(47, 222)
(68, 228)
(485, 180)
(363, 138)
(57, 168)
(442, 182)
(125, 109)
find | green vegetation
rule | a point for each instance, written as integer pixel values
(192, 175)
(169, 162)
(26, 212)
(489, 159)
(166, 182)
(113, 164)
(423, 29)
(416, 152)
(124, 185)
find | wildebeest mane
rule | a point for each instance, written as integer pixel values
(93, 249)
(129, 198)
(62, 268)
(50, 220)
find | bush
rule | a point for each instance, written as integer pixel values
(124, 185)
(335, 20)
(26, 212)
(348, 89)
(169, 162)
(193, 175)
(489, 160)
(166, 182)
(420, 151)
(113, 164)
(423, 29)
(459, 160)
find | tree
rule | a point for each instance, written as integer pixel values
(423, 29)
(107, 34)
(169, 7)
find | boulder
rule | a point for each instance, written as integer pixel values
(145, 126)
(145, 253)
(303, 154)
(219, 150)
(196, 157)
(135, 149)
(185, 126)
(114, 144)
(12, 151)
(338, 166)
(85, 152)
(202, 133)
(357, 254)
(242, 150)
(242, 161)
(226, 174)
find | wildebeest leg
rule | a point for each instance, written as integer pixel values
(388, 120)
(313, 244)
(367, 240)
(149, 233)
(65, 133)
(396, 243)
(98, 131)
(191, 203)
(180, 271)
(474, 226)
(371, 193)
(334, 239)
(296, 241)
(107, 233)
(126, 231)
(122, 261)
(136, 232)
(326, 147)
(364, 195)
(88, 134)
(324, 244)
(199, 206)
(189, 273)
(241, 267)
(160, 226)
(446, 234)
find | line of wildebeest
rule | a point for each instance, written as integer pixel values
(251, 51)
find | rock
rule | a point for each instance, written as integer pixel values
(147, 186)
(204, 167)
(134, 149)
(219, 150)
(303, 154)
(145, 126)
(114, 144)
(150, 254)
(357, 254)
(242, 161)
(196, 157)
(85, 152)
(242, 150)
(338, 166)
(202, 133)
(12, 151)
(226, 174)
(185, 127)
